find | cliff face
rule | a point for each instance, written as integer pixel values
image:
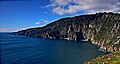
(102, 29)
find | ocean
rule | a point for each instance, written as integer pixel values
(16, 49)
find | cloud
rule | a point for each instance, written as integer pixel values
(62, 7)
(8, 29)
(61, 2)
(46, 21)
(37, 23)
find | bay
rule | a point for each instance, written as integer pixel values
(17, 49)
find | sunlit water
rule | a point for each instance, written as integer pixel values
(27, 50)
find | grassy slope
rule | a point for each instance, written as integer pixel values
(112, 58)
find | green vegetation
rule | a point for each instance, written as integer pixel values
(102, 28)
(112, 58)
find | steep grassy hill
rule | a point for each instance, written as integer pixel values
(112, 58)
(102, 29)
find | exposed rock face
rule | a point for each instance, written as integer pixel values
(102, 29)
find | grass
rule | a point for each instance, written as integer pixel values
(112, 58)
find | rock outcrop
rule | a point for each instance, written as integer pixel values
(102, 29)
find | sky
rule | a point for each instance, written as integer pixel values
(17, 15)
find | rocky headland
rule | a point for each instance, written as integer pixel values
(102, 29)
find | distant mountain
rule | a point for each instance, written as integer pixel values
(102, 29)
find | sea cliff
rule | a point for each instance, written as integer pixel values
(102, 29)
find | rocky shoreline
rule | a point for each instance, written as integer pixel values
(106, 48)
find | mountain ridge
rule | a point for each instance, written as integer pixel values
(101, 29)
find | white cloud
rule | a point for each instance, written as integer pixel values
(62, 7)
(46, 21)
(61, 2)
(37, 23)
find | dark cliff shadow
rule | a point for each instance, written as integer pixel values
(79, 36)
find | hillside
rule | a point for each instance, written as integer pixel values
(113, 58)
(102, 29)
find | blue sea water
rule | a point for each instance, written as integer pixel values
(27, 50)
